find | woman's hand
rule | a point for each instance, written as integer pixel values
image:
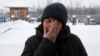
(53, 31)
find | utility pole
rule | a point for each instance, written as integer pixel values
(71, 11)
(71, 4)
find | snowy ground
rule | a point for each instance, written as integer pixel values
(14, 34)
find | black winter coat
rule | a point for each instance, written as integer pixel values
(67, 44)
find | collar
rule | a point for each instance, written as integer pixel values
(65, 32)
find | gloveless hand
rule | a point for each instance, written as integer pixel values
(53, 32)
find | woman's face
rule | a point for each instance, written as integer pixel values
(47, 23)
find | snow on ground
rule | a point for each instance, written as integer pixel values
(14, 34)
(90, 36)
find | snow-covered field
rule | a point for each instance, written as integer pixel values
(14, 34)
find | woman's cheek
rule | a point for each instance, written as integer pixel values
(48, 27)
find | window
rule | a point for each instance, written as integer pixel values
(16, 14)
(26, 13)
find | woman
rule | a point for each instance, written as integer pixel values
(53, 36)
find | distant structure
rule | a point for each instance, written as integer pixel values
(88, 22)
(73, 19)
(19, 10)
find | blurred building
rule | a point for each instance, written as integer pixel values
(19, 10)
(95, 19)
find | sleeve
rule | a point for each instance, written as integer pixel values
(82, 50)
(45, 48)
(27, 49)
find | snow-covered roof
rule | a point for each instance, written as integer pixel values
(18, 4)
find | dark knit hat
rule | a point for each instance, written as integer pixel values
(57, 11)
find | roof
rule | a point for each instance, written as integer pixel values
(18, 4)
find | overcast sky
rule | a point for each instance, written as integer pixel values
(42, 3)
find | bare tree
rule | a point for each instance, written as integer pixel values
(49, 2)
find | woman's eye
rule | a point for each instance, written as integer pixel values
(48, 21)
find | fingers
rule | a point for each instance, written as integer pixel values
(44, 31)
(59, 28)
(52, 33)
(53, 26)
(56, 27)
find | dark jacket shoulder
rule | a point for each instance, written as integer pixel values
(78, 45)
(74, 37)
